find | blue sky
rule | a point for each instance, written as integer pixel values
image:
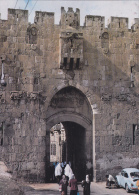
(107, 8)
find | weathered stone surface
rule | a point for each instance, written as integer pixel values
(59, 73)
(7, 184)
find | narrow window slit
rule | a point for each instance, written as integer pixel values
(71, 63)
(78, 63)
(65, 62)
(1, 134)
(135, 129)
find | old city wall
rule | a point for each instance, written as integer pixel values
(37, 65)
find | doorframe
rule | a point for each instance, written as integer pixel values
(63, 117)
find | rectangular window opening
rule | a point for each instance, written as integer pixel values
(78, 63)
(53, 149)
(1, 134)
(65, 62)
(134, 134)
(71, 63)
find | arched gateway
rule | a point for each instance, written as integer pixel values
(71, 107)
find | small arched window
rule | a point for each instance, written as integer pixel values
(32, 33)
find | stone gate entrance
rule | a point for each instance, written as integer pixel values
(75, 150)
(70, 107)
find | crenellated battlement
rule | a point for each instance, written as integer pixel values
(94, 21)
(69, 18)
(135, 26)
(118, 22)
(44, 17)
(136, 20)
(17, 15)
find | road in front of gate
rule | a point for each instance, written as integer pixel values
(52, 189)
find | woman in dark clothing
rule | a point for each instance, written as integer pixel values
(73, 185)
(86, 185)
(64, 184)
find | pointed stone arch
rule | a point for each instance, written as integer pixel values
(76, 109)
(85, 90)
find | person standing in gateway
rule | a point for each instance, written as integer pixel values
(73, 185)
(58, 172)
(64, 184)
(68, 171)
(86, 185)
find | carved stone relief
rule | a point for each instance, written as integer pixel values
(105, 35)
(71, 49)
(120, 97)
(3, 38)
(120, 140)
(18, 95)
(32, 33)
(2, 97)
(105, 42)
(106, 97)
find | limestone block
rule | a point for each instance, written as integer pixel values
(21, 40)
(30, 165)
(23, 166)
(35, 142)
(27, 141)
(14, 39)
(40, 165)
(41, 132)
(22, 148)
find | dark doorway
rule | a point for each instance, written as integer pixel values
(75, 148)
(68, 147)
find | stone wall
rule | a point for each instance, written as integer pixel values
(42, 58)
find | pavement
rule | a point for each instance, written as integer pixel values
(8, 186)
(52, 189)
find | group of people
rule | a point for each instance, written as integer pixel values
(65, 178)
(63, 184)
(56, 173)
(63, 169)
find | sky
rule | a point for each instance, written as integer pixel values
(107, 8)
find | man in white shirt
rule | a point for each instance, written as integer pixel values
(58, 172)
(68, 171)
(109, 180)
